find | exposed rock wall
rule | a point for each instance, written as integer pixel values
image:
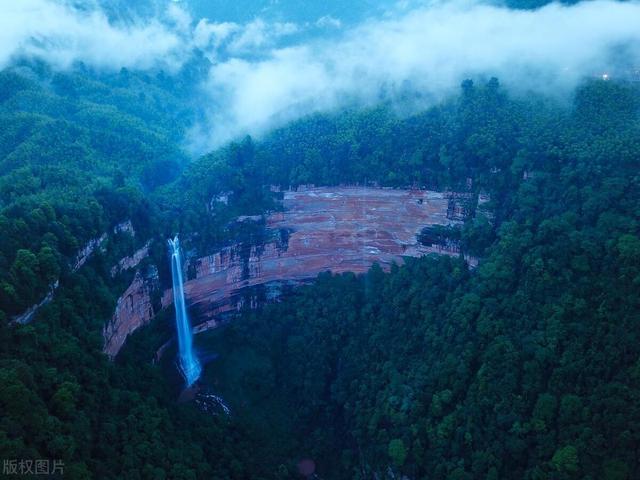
(28, 315)
(125, 227)
(85, 252)
(345, 229)
(132, 261)
(322, 229)
(133, 310)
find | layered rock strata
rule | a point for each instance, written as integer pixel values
(339, 229)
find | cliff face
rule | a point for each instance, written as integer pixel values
(322, 229)
(133, 310)
(345, 229)
(85, 253)
(132, 261)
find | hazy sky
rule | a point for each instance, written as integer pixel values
(267, 72)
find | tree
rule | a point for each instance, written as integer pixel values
(397, 452)
(566, 459)
(25, 272)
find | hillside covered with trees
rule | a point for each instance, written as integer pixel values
(526, 366)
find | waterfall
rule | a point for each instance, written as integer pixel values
(188, 362)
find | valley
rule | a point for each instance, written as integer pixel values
(278, 240)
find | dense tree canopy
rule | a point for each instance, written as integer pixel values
(525, 367)
(522, 368)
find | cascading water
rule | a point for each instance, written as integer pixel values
(189, 363)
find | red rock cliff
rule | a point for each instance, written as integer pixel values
(327, 229)
(133, 310)
(344, 229)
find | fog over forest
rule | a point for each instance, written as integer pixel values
(266, 72)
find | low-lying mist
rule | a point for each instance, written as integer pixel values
(429, 50)
(263, 74)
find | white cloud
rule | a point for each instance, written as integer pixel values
(328, 22)
(432, 48)
(62, 34)
(260, 78)
(229, 39)
(208, 35)
(259, 34)
(179, 17)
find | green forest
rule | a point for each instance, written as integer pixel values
(525, 367)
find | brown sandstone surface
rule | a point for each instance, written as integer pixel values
(133, 310)
(330, 229)
(339, 229)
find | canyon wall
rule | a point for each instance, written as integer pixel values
(321, 229)
(337, 229)
(133, 310)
